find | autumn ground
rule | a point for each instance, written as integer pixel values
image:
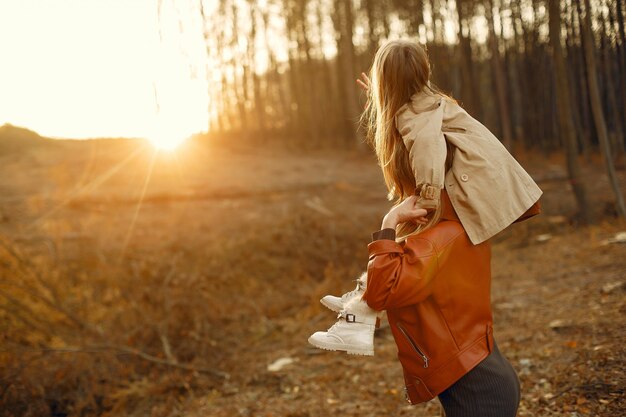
(180, 304)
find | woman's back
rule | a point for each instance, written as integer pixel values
(435, 287)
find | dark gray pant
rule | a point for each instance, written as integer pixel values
(491, 389)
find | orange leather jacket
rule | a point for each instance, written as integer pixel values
(435, 287)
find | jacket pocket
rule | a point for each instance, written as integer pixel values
(416, 392)
(420, 352)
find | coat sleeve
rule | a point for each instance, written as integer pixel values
(423, 137)
(399, 275)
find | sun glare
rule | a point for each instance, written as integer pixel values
(168, 132)
(167, 142)
(84, 92)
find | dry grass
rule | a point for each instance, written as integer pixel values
(134, 283)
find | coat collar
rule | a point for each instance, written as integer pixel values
(421, 101)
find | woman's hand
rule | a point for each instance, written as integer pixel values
(364, 82)
(403, 212)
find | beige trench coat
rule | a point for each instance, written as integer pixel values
(488, 188)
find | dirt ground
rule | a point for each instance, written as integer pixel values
(252, 238)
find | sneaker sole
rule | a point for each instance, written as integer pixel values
(331, 307)
(348, 350)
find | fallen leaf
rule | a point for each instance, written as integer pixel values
(612, 286)
(544, 237)
(619, 237)
(554, 324)
(279, 364)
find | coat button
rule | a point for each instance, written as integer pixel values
(464, 177)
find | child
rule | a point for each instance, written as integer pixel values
(443, 167)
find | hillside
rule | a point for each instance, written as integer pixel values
(140, 283)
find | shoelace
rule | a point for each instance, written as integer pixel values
(333, 326)
(358, 288)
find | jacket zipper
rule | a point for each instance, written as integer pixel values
(415, 347)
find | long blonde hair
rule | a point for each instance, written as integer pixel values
(400, 69)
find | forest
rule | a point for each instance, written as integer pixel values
(545, 75)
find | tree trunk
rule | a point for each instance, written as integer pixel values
(308, 74)
(520, 93)
(259, 102)
(384, 9)
(343, 19)
(564, 111)
(608, 62)
(372, 41)
(327, 96)
(469, 93)
(574, 75)
(240, 87)
(596, 107)
(511, 64)
(585, 111)
(500, 80)
(622, 53)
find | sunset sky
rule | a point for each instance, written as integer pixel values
(98, 68)
(88, 68)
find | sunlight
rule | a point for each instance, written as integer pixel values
(95, 183)
(131, 227)
(167, 140)
(82, 80)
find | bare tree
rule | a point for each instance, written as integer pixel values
(596, 107)
(307, 94)
(499, 79)
(564, 111)
(343, 20)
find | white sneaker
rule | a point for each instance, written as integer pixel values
(337, 304)
(353, 332)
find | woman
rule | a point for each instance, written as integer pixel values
(435, 280)
(430, 269)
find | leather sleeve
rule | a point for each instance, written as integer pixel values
(423, 137)
(399, 275)
(386, 233)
